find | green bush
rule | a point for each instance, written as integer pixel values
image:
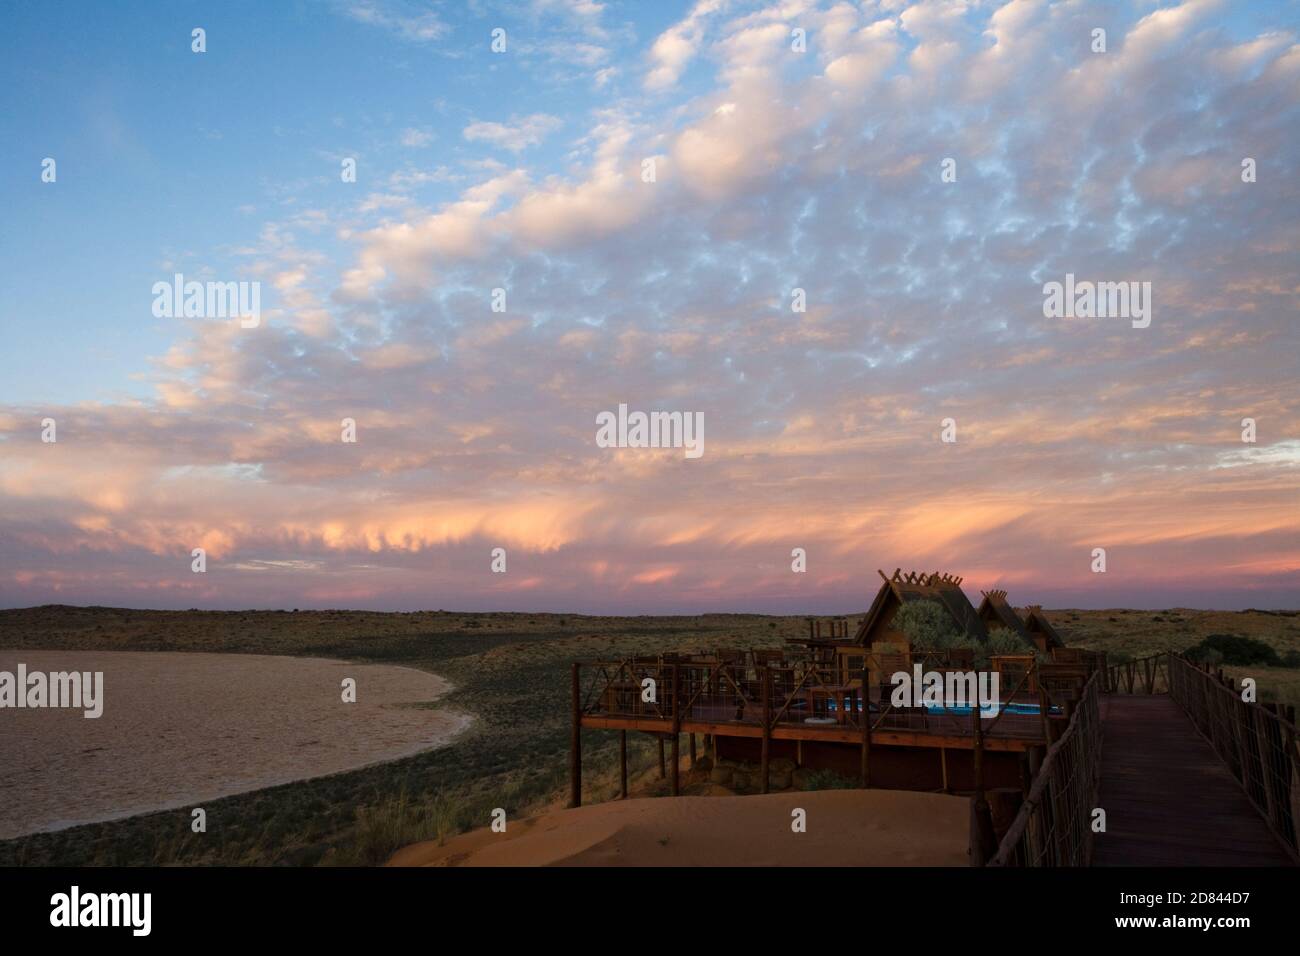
(1235, 651)
(928, 626)
(1005, 641)
(828, 780)
(1208, 655)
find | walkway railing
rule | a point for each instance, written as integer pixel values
(1053, 827)
(1256, 742)
(1146, 675)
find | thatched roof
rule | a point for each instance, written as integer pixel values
(994, 610)
(1036, 622)
(945, 589)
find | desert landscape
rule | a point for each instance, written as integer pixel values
(508, 676)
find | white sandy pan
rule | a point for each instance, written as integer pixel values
(179, 728)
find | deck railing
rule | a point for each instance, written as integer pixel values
(763, 694)
(777, 692)
(1054, 825)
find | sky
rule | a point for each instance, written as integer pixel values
(653, 190)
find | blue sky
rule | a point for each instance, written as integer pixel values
(777, 168)
(166, 156)
(171, 158)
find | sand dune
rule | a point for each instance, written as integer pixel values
(844, 828)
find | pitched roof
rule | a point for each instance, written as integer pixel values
(914, 586)
(994, 609)
(1036, 622)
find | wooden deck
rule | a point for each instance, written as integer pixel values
(1168, 798)
(1014, 732)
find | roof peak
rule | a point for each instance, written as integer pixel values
(920, 578)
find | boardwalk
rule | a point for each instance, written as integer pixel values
(1168, 798)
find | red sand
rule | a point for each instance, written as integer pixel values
(844, 828)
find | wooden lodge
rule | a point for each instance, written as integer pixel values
(899, 589)
(996, 613)
(1040, 629)
(824, 702)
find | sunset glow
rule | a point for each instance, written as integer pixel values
(773, 171)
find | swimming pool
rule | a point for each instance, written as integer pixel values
(957, 711)
(1011, 708)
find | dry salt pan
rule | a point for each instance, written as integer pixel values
(178, 729)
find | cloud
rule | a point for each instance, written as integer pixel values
(819, 172)
(677, 46)
(416, 138)
(412, 22)
(515, 136)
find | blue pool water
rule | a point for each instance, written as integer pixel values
(1011, 708)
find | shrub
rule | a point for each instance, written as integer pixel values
(828, 780)
(1005, 641)
(1206, 655)
(928, 625)
(1234, 650)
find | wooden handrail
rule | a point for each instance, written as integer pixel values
(1088, 710)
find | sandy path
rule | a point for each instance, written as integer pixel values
(181, 728)
(845, 828)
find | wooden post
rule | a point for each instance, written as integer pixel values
(1045, 711)
(692, 751)
(575, 743)
(984, 840)
(677, 733)
(979, 854)
(1259, 727)
(1035, 760)
(866, 739)
(767, 722)
(622, 760)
